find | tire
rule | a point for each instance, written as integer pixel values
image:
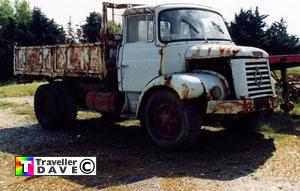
(54, 106)
(171, 123)
(248, 123)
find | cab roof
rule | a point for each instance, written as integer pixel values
(157, 8)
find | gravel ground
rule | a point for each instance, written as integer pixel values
(127, 159)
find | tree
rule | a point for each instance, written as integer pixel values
(248, 28)
(91, 27)
(19, 24)
(114, 28)
(79, 35)
(7, 36)
(23, 17)
(70, 36)
(6, 11)
(279, 41)
(45, 31)
(22, 11)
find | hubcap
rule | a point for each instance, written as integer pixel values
(167, 121)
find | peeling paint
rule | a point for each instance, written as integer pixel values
(239, 106)
(235, 51)
(221, 50)
(185, 91)
(208, 51)
(226, 50)
(167, 79)
(198, 49)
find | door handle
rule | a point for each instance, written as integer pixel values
(124, 66)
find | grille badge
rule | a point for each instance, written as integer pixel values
(258, 77)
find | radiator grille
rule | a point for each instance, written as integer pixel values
(258, 79)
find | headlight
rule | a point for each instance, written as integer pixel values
(216, 92)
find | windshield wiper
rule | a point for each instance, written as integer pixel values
(194, 28)
(218, 27)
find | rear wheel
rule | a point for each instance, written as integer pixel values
(247, 123)
(55, 106)
(171, 123)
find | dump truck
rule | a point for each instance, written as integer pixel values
(175, 68)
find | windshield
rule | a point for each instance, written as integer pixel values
(191, 24)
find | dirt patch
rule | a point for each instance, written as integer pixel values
(19, 100)
(8, 119)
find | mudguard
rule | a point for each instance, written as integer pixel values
(188, 85)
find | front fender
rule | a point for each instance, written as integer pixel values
(187, 85)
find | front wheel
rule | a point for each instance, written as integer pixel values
(170, 122)
(247, 123)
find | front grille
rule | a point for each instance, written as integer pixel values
(258, 79)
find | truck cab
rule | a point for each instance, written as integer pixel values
(165, 41)
(186, 49)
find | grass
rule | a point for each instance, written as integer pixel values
(6, 105)
(18, 90)
(86, 114)
(294, 71)
(295, 111)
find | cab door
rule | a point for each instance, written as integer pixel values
(139, 59)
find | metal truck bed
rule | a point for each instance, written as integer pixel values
(55, 61)
(278, 62)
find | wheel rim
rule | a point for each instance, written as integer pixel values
(167, 122)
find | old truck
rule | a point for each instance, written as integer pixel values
(175, 68)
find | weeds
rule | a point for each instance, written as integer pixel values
(18, 90)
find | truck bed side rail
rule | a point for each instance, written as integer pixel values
(53, 61)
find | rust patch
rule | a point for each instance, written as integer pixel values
(226, 108)
(33, 60)
(185, 91)
(198, 50)
(232, 107)
(167, 79)
(235, 51)
(248, 106)
(208, 51)
(221, 50)
(61, 60)
(161, 52)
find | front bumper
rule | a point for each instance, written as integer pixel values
(241, 106)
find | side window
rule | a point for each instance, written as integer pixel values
(139, 29)
(165, 30)
(150, 29)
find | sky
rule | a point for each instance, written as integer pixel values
(62, 10)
